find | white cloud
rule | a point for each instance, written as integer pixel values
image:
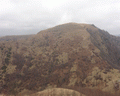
(26, 15)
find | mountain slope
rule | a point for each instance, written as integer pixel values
(63, 56)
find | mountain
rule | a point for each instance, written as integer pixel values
(76, 56)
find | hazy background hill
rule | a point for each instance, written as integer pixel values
(15, 38)
(66, 56)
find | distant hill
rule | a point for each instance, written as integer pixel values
(66, 56)
(15, 38)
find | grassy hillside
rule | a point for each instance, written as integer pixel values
(65, 56)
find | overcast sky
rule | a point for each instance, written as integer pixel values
(19, 17)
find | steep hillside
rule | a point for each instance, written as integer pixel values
(108, 46)
(68, 55)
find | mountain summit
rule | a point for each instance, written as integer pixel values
(65, 56)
